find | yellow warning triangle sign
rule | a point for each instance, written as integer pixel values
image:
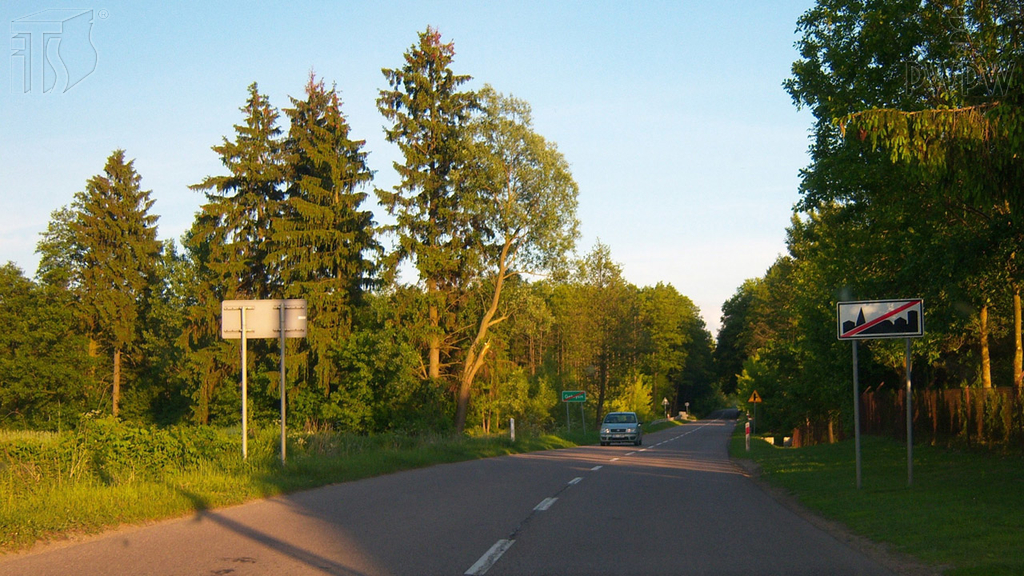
(754, 398)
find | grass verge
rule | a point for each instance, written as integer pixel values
(664, 425)
(48, 492)
(963, 510)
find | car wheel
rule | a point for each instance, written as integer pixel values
(604, 443)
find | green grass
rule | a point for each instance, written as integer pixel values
(965, 510)
(663, 426)
(56, 492)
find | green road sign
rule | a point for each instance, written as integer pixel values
(574, 396)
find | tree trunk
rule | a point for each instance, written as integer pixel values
(474, 359)
(1018, 355)
(117, 381)
(602, 382)
(533, 363)
(434, 341)
(986, 362)
(654, 394)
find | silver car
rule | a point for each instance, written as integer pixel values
(622, 427)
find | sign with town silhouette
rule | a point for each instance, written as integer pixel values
(881, 319)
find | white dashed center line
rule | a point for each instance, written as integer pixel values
(501, 546)
(489, 558)
(545, 504)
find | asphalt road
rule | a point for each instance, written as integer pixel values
(673, 506)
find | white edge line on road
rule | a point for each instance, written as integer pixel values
(613, 459)
(629, 453)
(545, 504)
(489, 558)
(596, 468)
(643, 450)
(575, 480)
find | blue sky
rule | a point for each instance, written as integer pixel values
(686, 149)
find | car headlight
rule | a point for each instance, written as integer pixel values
(606, 431)
(630, 430)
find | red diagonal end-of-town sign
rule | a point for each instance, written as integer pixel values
(880, 319)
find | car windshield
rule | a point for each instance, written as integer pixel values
(619, 419)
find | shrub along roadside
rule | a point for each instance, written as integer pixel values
(963, 510)
(107, 473)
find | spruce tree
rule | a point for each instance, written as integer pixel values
(324, 238)
(431, 204)
(230, 243)
(115, 236)
(235, 224)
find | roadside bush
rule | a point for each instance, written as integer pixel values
(112, 451)
(119, 451)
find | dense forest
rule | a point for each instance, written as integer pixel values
(914, 190)
(503, 314)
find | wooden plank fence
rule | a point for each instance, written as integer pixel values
(958, 417)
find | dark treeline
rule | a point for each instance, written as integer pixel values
(503, 315)
(914, 190)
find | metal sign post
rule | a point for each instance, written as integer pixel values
(245, 392)
(754, 399)
(262, 319)
(856, 412)
(873, 319)
(574, 396)
(910, 425)
(281, 324)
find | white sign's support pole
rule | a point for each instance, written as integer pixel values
(283, 435)
(245, 391)
(583, 418)
(856, 412)
(568, 422)
(910, 425)
(263, 319)
(512, 428)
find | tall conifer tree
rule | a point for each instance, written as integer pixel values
(229, 245)
(116, 239)
(235, 223)
(434, 222)
(324, 238)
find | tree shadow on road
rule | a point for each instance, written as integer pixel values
(315, 561)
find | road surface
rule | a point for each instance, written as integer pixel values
(676, 505)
